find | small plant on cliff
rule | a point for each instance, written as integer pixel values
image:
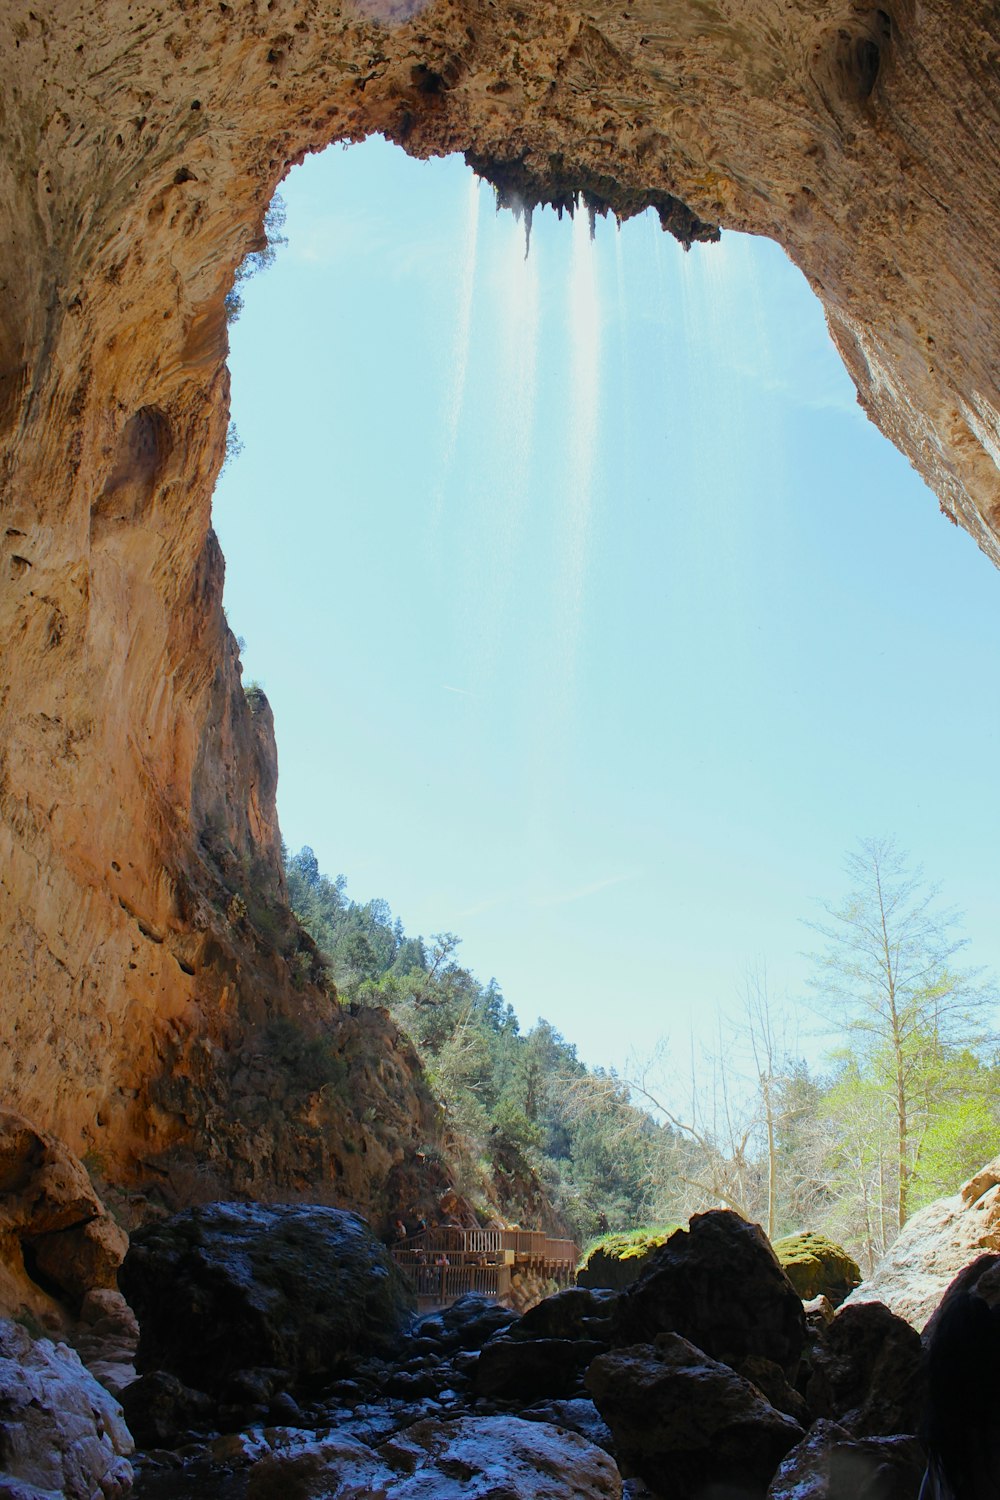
(258, 260)
(255, 695)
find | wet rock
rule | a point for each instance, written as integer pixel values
(467, 1323)
(674, 1412)
(817, 1266)
(833, 1464)
(526, 1370)
(867, 1372)
(577, 1415)
(232, 1287)
(719, 1285)
(61, 1433)
(467, 1459)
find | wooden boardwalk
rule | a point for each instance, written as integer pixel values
(444, 1264)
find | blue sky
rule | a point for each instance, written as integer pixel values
(598, 622)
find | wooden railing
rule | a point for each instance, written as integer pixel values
(445, 1263)
(444, 1284)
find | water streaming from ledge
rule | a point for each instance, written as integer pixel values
(460, 347)
(583, 410)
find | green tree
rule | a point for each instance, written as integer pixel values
(888, 976)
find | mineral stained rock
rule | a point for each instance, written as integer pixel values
(141, 939)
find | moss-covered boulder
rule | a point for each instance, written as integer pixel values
(616, 1260)
(817, 1266)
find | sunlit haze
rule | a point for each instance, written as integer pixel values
(597, 621)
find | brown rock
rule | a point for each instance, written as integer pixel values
(83, 1257)
(684, 1422)
(53, 1226)
(933, 1246)
(819, 1312)
(718, 1284)
(142, 932)
(833, 1464)
(868, 1372)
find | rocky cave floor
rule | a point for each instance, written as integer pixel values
(279, 1359)
(432, 1379)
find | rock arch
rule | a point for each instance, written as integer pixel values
(142, 140)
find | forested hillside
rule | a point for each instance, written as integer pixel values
(906, 1106)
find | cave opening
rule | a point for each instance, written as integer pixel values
(597, 620)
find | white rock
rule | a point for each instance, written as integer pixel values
(474, 1458)
(61, 1433)
(932, 1248)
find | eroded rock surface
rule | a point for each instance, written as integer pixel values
(55, 1233)
(833, 1464)
(61, 1433)
(867, 1371)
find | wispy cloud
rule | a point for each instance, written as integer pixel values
(446, 687)
(489, 904)
(580, 893)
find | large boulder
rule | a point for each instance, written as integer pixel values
(55, 1232)
(817, 1266)
(61, 1433)
(685, 1422)
(867, 1372)
(482, 1458)
(718, 1284)
(933, 1246)
(617, 1260)
(233, 1286)
(833, 1464)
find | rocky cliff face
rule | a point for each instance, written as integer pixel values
(141, 943)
